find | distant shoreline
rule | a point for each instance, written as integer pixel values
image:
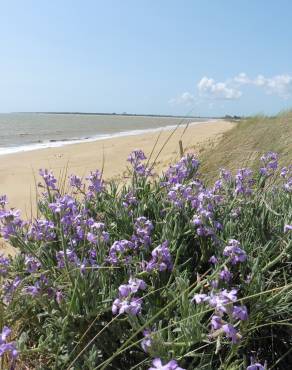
(118, 114)
(56, 143)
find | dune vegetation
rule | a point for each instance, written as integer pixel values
(243, 145)
(162, 272)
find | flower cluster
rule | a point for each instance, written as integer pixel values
(97, 233)
(135, 158)
(129, 200)
(161, 259)
(244, 182)
(126, 302)
(92, 242)
(49, 179)
(5, 345)
(120, 252)
(32, 264)
(75, 181)
(234, 252)
(41, 230)
(3, 200)
(10, 222)
(40, 287)
(142, 235)
(182, 171)
(4, 265)
(9, 287)
(226, 313)
(256, 366)
(96, 184)
(204, 219)
(171, 365)
(270, 163)
(286, 174)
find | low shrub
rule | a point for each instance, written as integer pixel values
(157, 273)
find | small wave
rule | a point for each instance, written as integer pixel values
(59, 143)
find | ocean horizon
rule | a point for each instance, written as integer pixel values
(32, 131)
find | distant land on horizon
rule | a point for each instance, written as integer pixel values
(131, 115)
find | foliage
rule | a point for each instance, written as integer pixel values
(160, 272)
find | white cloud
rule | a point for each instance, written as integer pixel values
(242, 79)
(209, 88)
(280, 85)
(185, 98)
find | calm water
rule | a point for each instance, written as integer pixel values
(19, 132)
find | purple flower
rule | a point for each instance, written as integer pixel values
(42, 230)
(131, 306)
(129, 200)
(4, 265)
(225, 175)
(183, 171)
(32, 290)
(96, 184)
(240, 312)
(171, 365)
(10, 287)
(216, 322)
(120, 252)
(225, 275)
(32, 264)
(243, 181)
(200, 298)
(7, 347)
(70, 255)
(223, 300)
(62, 204)
(213, 260)
(132, 287)
(235, 253)
(255, 365)
(5, 333)
(124, 290)
(287, 228)
(48, 178)
(137, 284)
(161, 259)
(97, 233)
(231, 332)
(270, 162)
(3, 200)
(59, 296)
(147, 341)
(143, 229)
(135, 158)
(217, 185)
(75, 181)
(10, 222)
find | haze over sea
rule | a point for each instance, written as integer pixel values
(30, 131)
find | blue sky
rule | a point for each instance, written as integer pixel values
(147, 56)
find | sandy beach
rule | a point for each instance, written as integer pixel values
(19, 172)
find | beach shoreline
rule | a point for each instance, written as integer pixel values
(19, 171)
(99, 137)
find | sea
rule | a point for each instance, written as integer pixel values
(30, 131)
